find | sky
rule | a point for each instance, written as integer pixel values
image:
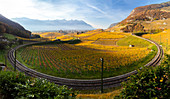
(98, 13)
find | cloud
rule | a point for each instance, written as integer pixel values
(99, 13)
(14, 8)
(35, 9)
(99, 16)
(97, 9)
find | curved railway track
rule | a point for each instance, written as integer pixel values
(83, 84)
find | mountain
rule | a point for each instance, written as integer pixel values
(51, 25)
(112, 25)
(144, 18)
(11, 27)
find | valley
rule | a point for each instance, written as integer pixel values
(69, 58)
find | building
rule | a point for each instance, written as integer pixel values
(131, 45)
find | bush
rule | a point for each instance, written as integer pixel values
(8, 81)
(18, 86)
(20, 41)
(42, 89)
(149, 83)
(3, 45)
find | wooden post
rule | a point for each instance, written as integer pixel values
(15, 60)
(51, 37)
(160, 38)
(167, 44)
(5, 60)
(102, 60)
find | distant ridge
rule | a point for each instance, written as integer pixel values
(52, 25)
(113, 24)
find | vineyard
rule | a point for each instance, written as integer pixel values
(93, 36)
(70, 61)
(82, 60)
(162, 38)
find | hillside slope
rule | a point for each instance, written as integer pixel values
(8, 26)
(141, 17)
(147, 13)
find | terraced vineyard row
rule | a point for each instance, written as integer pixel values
(66, 58)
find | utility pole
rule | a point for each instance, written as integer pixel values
(102, 60)
(160, 38)
(167, 44)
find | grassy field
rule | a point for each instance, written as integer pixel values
(131, 40)
(9, 36)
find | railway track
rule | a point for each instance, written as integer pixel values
(83, 84)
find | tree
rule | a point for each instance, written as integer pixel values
(2, 29)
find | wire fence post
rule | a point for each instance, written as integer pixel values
(160, 38)
(5, 60)
(15, 60)
(102, 60)
(167, 44)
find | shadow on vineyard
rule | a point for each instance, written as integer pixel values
(60, 42)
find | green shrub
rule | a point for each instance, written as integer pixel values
(149, 83)
(3, 45)
(42, 89)
(18, 86)
(8, 81)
